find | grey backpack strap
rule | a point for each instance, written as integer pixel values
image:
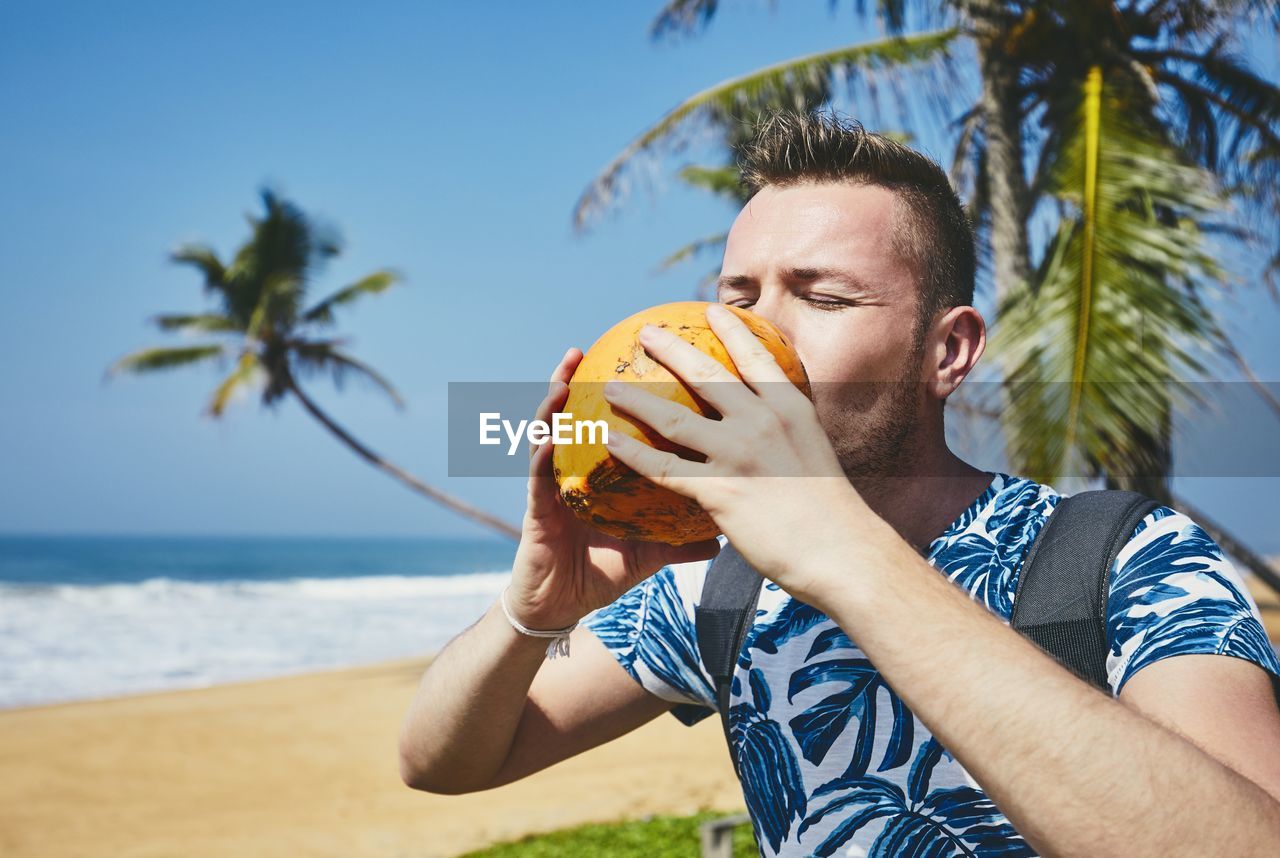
(723, 618)
(1061, 600)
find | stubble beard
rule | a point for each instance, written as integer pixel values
(874, 426)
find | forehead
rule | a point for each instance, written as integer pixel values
(818, 225)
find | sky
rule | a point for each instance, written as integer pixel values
(447, 141)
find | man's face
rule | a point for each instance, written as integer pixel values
(819, 261)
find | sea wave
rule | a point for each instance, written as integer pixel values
(368, 587)
(62, 642)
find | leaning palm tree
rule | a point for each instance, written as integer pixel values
(274, 337)
(1141, 128)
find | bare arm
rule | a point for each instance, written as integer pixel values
(490, 709)
(1076, 772)
(461, 722)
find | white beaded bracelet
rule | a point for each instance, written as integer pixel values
(560, 643)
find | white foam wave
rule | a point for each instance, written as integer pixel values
(372, 587)
(65, 642)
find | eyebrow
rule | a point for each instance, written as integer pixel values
(844, 278)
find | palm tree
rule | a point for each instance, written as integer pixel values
(274, 337)
(1132, 127)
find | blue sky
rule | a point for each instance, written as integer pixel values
(449, 141)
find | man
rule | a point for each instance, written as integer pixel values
(877, 705)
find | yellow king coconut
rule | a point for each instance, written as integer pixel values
(603, 491)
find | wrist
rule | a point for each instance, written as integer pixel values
(516, 617)
(534, 599)
(514, 643)
(557, 639)
(841, 562)
(534, 617)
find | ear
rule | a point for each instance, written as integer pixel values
(955, 342)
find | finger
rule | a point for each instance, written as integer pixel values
(551, 403)
(557, 393)
(723, 390)
(559, 376)
(541, 484)
(756, 364)
(671, 420)
(543, 490)
(564, 370)
(666, 469)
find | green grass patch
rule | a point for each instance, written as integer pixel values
(651, 837)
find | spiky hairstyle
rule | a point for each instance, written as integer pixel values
(931, 228)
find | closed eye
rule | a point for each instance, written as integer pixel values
(826, 303)
(823, 303)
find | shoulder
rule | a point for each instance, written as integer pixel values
(650, 630)
(1173, 591)
(1169, 557)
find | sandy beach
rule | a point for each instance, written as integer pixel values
(306, 766)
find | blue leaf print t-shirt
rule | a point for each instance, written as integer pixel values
(833, 762)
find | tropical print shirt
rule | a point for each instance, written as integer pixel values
(833, 762)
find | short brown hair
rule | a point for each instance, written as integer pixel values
(791, 148)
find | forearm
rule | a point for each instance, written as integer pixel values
(461, 722)
(1069, 766)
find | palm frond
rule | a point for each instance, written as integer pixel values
(205, 260)
(1089, 226)
(894, 55)
(693, 249)
(373, 284)
(246, 368)
(1229, 118)
(1249, 103)
(1100, 344)
(722, 181)
(682, 17)
(276, 302)
(286, 244)
(212, 322)
(322, 355)
(149, 360)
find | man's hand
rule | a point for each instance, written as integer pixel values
(771, 480)
(564, 569)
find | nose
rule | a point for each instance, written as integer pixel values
(777, 305)
(772, 304)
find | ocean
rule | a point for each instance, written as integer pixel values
(100, 616)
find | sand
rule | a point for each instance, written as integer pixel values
(306, 766)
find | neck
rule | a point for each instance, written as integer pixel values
(921, 499)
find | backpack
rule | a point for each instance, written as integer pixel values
(1060, 603)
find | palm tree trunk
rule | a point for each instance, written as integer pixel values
(1006, 181)
(458, 506)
